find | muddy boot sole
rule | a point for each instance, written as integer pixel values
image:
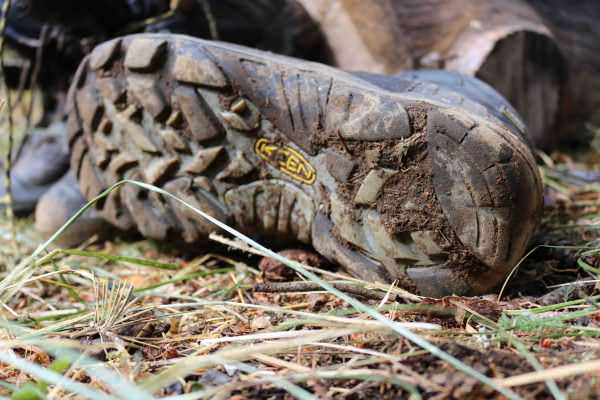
(394, 186)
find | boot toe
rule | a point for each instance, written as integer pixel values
(488, 186)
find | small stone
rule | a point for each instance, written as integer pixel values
(339, 167)
(371, 185)
(261, 322)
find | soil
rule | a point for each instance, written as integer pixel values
(408, 202)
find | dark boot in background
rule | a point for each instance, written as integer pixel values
(58, 205)
(42, 160)
(58, 34)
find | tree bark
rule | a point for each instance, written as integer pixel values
(503, 42)
(576, 27)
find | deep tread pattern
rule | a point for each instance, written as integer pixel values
(145, 54)
(188, 116)
(301, 102)
(90, 109)
(272, 206)
(478, 184)
(92, 184)
(146, 91)
(202, 122)
(147, 210)
(104, 54)
(111, 89)
(198, 71)
(456, 90)
(468, 92)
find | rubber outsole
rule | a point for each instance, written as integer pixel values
(395, 186)
(470, 93)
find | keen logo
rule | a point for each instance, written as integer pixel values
(287, 160)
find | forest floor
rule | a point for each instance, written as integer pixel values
(137, 319)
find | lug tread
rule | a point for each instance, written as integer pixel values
(185, 115)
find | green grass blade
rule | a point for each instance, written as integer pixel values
(131, 260)
(521, 348)
(52, 377)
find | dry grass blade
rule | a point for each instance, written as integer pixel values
(325, 318)
(113, 300)
(564, 371)
(237, 354)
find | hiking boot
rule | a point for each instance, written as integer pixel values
(477, 96)
(58, 205)
(58, 34)
(67, 30)
(423, 186)
(282, 26)
(42, 160)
